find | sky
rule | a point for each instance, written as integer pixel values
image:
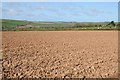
(61, 11)
(60, 0)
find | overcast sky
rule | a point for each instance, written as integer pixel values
(61, 11)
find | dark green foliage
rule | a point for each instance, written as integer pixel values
(111, 23)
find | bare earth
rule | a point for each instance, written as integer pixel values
(61, 54)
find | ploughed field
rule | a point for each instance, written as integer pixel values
(61, 54)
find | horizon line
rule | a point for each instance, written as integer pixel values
(55, 21)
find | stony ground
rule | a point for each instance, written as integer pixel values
(61, 54)
(1, 55)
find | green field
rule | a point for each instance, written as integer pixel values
(12, 24)
(21, 25)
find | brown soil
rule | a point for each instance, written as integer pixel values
(61, 54)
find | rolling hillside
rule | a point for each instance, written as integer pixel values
(22, 25)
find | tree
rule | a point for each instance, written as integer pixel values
(111, 23)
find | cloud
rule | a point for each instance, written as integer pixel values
(82, 10)
(95, 11)
(11, 12)
(12, 4)
(51, 9)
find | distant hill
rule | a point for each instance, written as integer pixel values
(13, 25)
